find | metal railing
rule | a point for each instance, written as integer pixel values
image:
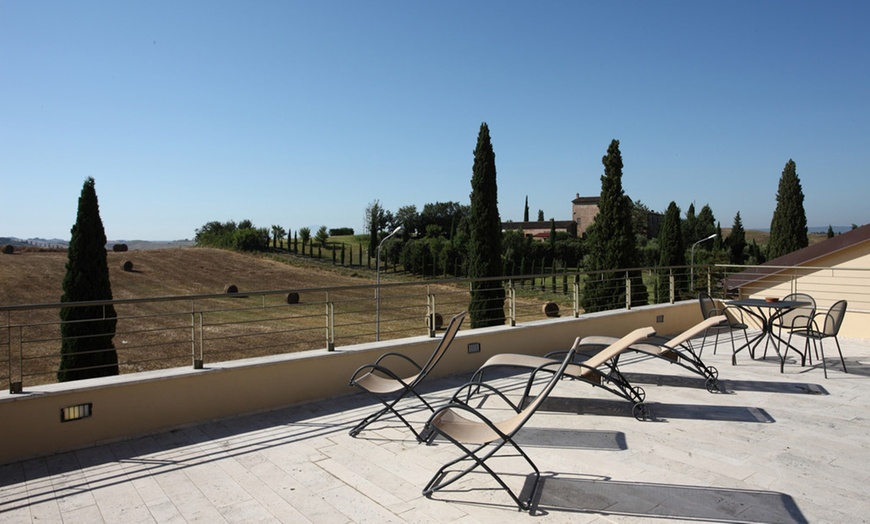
(191, 330)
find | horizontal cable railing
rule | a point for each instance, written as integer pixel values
(181, 331)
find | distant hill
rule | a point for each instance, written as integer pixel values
(56, 243)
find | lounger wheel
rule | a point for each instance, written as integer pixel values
(640, 411)
(639, 394)
(712, 385)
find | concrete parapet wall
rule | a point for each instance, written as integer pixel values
(144, 403)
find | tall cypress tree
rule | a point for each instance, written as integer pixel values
(526, 210)
(690, 227)
(736, 242)
(485, 253)
(672, 252)
(87, 349)
(612, 243)
(788, 228)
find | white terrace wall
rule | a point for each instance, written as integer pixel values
(846, 277)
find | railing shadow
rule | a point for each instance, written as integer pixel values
(134, 459)
(570, 494)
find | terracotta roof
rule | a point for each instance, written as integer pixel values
(801, 257)
(586, 200)
(560, 224)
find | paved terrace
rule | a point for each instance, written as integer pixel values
(789, 447)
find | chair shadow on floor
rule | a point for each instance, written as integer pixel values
(659, 412)
(731, 386)
(561, 493)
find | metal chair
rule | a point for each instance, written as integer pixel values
(389, 388)
(794, 318)
(709, 310)
(829, 327)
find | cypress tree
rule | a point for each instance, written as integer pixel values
(690, 227)
(672, 252)
(485, 253)
(830, 233)
(87, 349)
(788, 228)
(373, 231)
(526, 210)
(736, 242)
(706, 223)
(612, 243)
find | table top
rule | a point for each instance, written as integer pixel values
(760, 302)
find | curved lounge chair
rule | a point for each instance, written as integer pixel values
(389, 388)
(462, 425)
(677, 350)
(600, 369)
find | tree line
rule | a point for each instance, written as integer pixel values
(453, 239)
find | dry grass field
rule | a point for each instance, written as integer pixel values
(160, 334)
(30, 277)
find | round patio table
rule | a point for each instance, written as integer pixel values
(767, 312)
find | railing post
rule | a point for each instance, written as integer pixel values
(672, 285)
(513, 302)
(576, 296)
(198, 362)
(16, 386)
(330, 324)
(430, 311)
(627, 291)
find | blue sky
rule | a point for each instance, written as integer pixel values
(303, 113)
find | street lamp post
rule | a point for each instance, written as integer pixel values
(711, 237)
(378, 284)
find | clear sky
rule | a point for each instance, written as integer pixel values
(302, 113)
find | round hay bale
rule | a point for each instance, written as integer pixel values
(292, 298)
(8, 249)
(231, 288)
(127, 266)
(119, 248)
(434, 321)
(550, 309)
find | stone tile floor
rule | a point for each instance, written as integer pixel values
(791, 447)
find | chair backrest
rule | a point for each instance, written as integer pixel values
(708, 307)
(696, 330)
(790, 317)
(512, 425)
(443, 344)
(834, 318)
(614, 349)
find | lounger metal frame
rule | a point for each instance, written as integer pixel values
(388, 388)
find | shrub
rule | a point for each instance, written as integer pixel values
(8, 249)
(119, 248)
(250, 239)
(127, 266)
